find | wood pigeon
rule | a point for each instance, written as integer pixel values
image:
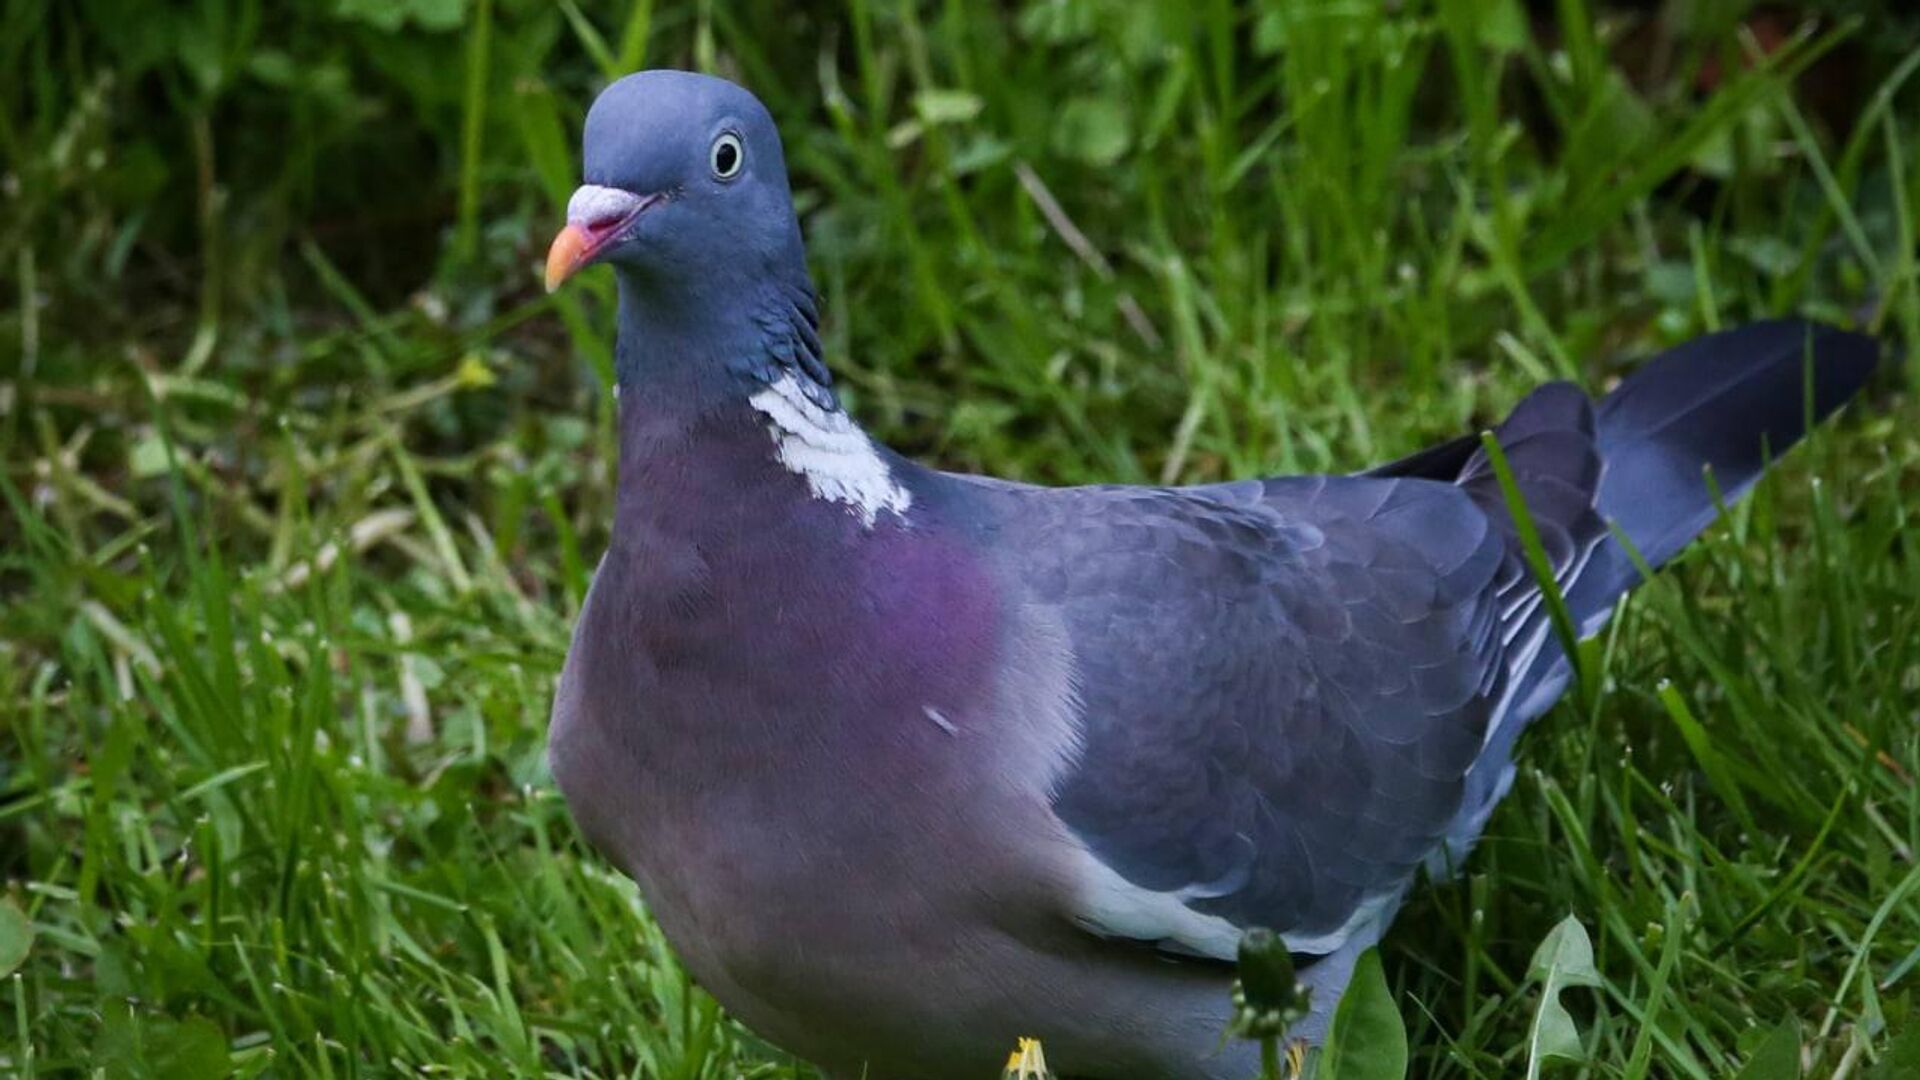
(908, 764)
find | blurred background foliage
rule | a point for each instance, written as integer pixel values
(304, 476)
(252, 164)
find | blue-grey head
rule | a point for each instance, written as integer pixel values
(686, 198)
(686, 190)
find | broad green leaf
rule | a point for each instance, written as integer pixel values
(1269, 33)
(1565, 956)
(1553, 1035)
(161, 1048)
(1623, 116)
(16, 938)
(1503, 26)
(1093, 130)
(1902, 1059)
(1564, 959)
(147, 457)
(1777, 1057)
(1367, 1040)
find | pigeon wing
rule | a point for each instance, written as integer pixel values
(1283, 684)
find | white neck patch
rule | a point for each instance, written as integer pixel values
(835, 456)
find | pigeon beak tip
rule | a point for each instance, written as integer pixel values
(568, 253)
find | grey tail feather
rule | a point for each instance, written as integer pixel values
(1728, 403)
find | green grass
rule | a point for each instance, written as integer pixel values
(304, 477)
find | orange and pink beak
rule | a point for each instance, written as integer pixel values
(568, 253)
(597, 217)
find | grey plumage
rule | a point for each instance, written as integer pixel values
(908, 764)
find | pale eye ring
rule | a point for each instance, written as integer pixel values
(727, 156)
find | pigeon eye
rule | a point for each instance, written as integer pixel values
(727, 156)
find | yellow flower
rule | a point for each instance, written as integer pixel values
(473, 373)
(1027, 1062)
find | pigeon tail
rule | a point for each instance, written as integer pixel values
(1728, 403)
(1634, 465)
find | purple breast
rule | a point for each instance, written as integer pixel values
(780, 619)
(929, 606)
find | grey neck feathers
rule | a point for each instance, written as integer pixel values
(685, 354)
(695, 344)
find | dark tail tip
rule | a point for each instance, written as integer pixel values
(1730, 402)
(1740, 388)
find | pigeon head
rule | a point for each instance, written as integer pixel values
(686, 197)
(685, 193)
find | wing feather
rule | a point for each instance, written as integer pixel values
(1283, 684)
